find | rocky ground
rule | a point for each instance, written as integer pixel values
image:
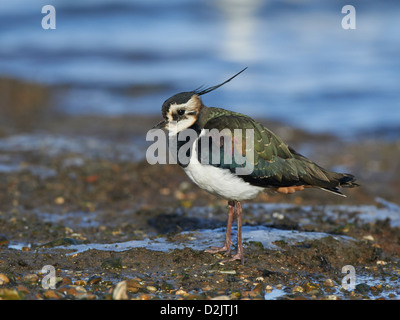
(77, 195)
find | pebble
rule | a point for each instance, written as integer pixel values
(268, 288)
(328, 283)
(181, 292)
(310, 288)
(145, 296)
(31, 278)
(94, 279)
(51, 294)
(227, 271)
(3, 279)
(112, 264)
(59, 200)
(72, 290)
(297, 289)
(151, 288)
(258, 290)
(133, 286)
(362, 288)
(369, 238)
(166, 286)
(80, 283)
(9, 294)
(22, 289)
(119, 292)
(223, 297)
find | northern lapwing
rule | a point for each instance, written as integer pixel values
(275, 165)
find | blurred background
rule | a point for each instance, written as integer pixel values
(120, 57)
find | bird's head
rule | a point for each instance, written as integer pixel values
(182, 110)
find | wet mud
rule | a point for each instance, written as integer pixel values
(77, 195)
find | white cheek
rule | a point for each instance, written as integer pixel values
(177, 126)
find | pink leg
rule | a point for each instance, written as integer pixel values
(227, 246)
(239, 254)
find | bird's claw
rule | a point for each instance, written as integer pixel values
(237, 256)
(225, 249)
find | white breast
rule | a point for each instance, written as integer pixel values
(220, 182)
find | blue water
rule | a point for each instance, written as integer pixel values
(304, 68)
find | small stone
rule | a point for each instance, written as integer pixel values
(51, 294)
(331, 297)
(9, 294)
(112, 264)
(207, 288)
(297, 289)
(377, 289)
(80, 283)
(22, 289)
(145, 296)
(166, 286)
(328, 283)
(119, 292)
(3, 279)
(222, 297)
(362, 288)
(30, 278)
(257, 291)
(68, 290)
(227, 271)
(60, 281)
(94, 279)
(151, 288)
(133, 286)
(369, 238)
(87, 296)
(181, 292)
(310, 288)
(59, 200)
(165, 191)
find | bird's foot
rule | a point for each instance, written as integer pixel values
(225, 248)
(236, 256)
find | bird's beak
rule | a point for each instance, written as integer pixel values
(160, 125)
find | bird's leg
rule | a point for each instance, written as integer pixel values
(239, 254)
(227, 246)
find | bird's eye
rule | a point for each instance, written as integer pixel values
(181, 112)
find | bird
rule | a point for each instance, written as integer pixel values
(275, 165)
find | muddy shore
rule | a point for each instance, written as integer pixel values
(77, 194)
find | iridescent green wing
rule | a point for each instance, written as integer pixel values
(273, 162)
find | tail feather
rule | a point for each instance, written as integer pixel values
(324, 179)
(343, 180)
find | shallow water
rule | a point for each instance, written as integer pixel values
(118, 57)
(201, 239)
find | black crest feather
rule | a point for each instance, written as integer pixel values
(200, 91)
